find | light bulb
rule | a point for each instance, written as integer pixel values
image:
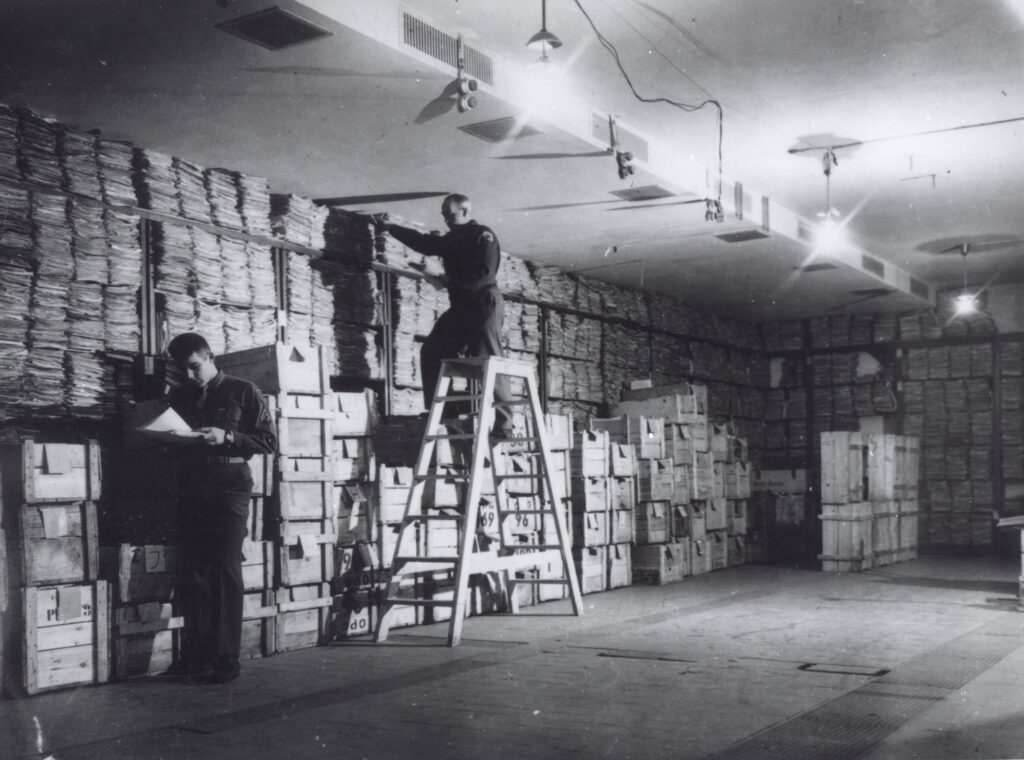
(964, 304)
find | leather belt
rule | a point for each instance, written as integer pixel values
(224, 460)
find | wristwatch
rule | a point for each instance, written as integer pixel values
(229, 437)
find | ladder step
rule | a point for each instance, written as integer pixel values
(399, 601)
(437, 560)
(459, 397)
(451, 437)
(510, 512)
(434, 518)
(452, 478)
(559, 581)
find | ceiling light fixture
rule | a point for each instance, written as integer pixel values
(966, 303)
(830, 213)
(544, 39)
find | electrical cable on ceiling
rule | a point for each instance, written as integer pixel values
(688, 107)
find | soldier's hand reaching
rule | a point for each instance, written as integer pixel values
(212, 436)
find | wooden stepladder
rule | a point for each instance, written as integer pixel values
(521, 463)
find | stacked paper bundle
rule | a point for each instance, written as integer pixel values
(522, 327)
(237, 328)
(9, 144)
(590, 295)
(77, 150)
(322, 298)
(235, 276)
(86, 331)
(261, 275)
(175, 279)
(222, 190)
(573, 379)
(406, 402)
(15, 286)
(210, 324)
(191, 185)
(254, 193)
(627, 357)
(155, 186)
(671, 359)
(299, 327)
(207, 264)
(39, 161)
(263, 326)
(573, 337)
(85, 378)
(349, 236)
(359, 355)
(48, 310)
(431, 303)
(15, 218)
(300, 284)
(297, 220)
(115, 161)
(361, 301)
(13, 358)
(89, 243)
(626, 303)
(553, 285)
(514, 278)
(124, 249)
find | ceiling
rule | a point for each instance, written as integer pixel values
(922, 101)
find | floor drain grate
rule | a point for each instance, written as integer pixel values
(844, 670)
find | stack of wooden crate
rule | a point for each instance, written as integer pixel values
(55, 622)
(588, 466)
(259, 610)
(358, 566)
(683, 407)
(869, 500)
(299, 517)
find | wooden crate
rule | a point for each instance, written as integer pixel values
(881, 467)
(658, 564)
(306, 559)
(843, 457)
(354, 613)
(303, 468)
(66, 637)
(736, 510)
(651, 525)
(656, 479)
(680, 403)
(32, 472)
(55, 543)
(591, 562)
(622, 460)
(718, 480)
(352, 459)
(682, 483)
(679, 522)
(590, 529)
(885, 532)
(646, 434)
(355, 414)
(716, 514)
(259, 624)
(622, 493)
(908, 530)
(700, 556)
(703, 475)
(147, 573)
(356, 521)
(303, 617)
(620, 526)
(589, 455)
(620, 565)
(698, 520)
(846, 537)
(736, 553)
(560, 431)
(257, 565)
(718, 542)
(393, 486)
(737, 480)
(590, 494)
(280, 368)
(305, 500)
(255, 521)
(147, 639)
(262, 468)
(304, 433)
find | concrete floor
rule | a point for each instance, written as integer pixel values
(917, 660)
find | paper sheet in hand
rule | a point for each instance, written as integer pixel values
(169, 426)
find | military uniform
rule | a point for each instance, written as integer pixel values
(217, 488)
(472, 325)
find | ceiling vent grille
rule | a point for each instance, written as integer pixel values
(741, 236)
(873, 265)
(273, 29)
(430, 40)
(643, 193)
(822, 267)
(499, 130)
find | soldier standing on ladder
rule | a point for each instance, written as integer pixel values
(472, 325)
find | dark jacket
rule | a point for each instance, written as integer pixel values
(232, 404)
(470, 252)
